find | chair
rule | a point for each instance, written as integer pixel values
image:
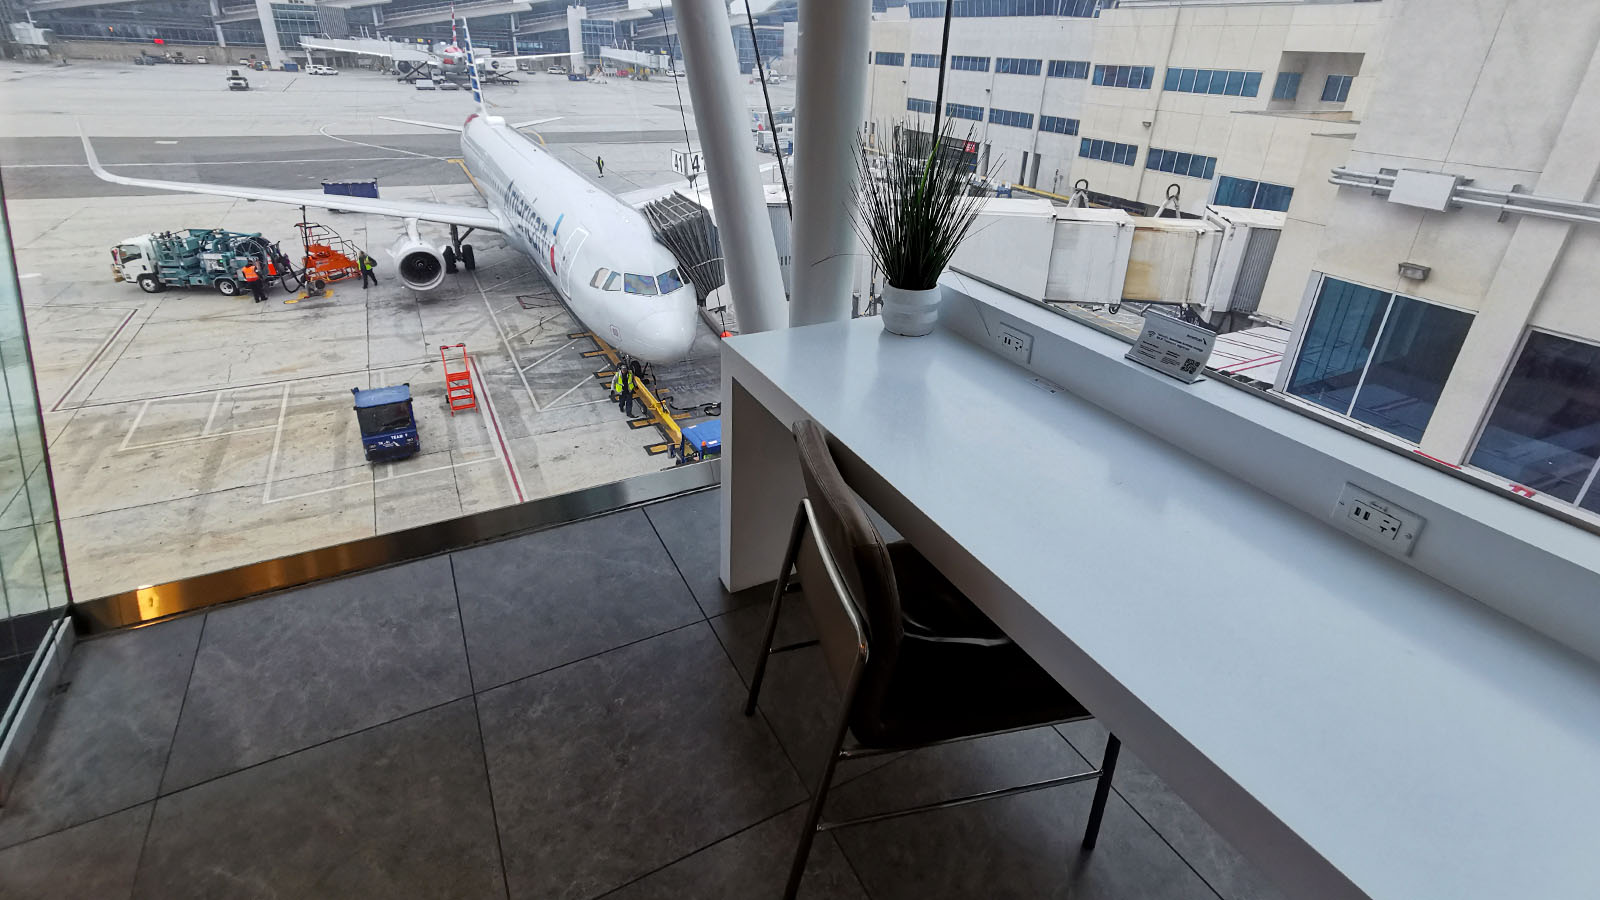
(917, 663)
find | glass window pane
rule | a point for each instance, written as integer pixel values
(1219, 83)
(669, 281)
(1235, 84)
(1171, 83)
(638, 284)
(1544, 431)
(1211, 168)
(1180, 166)
(1202, 80)
(1415, 353)
(1252, 83)
(1338, 340)
(1186, 79)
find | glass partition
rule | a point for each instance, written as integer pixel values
(33, 590)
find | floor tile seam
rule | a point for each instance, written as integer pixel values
(483, 746)
(559, 666)
(1147, 823)
(674, 560)
(701, 849)
(322, 743)
(89, 821)
(172, 741)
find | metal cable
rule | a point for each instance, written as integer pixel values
(761, 73)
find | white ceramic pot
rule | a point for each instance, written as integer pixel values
(911, 313)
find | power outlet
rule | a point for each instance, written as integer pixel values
(1015, 343)
(1369, 516)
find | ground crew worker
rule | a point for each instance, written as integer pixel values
(367, 264)
(252, 277)
(622, 385)
(600, 164)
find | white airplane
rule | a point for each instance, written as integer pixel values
(446, 56)
(598, 251)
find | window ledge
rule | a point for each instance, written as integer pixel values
(1483, 543)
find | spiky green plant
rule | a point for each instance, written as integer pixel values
(913, 205)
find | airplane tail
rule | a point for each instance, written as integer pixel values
(472, 62)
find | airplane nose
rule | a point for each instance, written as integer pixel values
(669, 332)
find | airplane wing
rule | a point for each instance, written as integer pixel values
(445, 213)
(371, 47)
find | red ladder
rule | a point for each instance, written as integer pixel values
(458, 390)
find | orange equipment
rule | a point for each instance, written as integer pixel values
(328, 258)
(458, 390)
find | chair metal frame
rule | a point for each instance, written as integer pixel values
(838, 750)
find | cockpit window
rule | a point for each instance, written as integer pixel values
(638, 284)
(611, 281)
(669, 281)
(599, 276)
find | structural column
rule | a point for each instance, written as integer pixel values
(269, 33)
(829, 105)
(723, 121)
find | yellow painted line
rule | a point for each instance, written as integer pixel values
(1018, 187)
(475, 186)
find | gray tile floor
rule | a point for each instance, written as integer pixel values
(552, 716)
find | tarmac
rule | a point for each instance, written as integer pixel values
(191, 432)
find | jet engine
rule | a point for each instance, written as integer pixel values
(420, 264)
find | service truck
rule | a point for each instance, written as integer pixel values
(207, 257)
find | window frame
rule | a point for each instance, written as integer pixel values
(1339, 86)
(1591, 482)
(599, 274)
(1287, 79)
(1291, 356)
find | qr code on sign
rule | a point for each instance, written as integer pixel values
(1191, 366)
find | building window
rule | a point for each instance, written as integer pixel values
(889, 59)
(1010, 65)
(1214, 81)
(963, 111)
(1544, 430)
(1109, 151)
(969, 63)
(921, 106)
(1192, 165)
(1288, 86)
(1337, 88)
(925, 60)
(1058, 125)
(1125, 76)
(1377, 357)
(934, 9)
(1253, 194)
(1068, 68)
(1009, 117)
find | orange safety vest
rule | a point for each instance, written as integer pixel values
(249, 273)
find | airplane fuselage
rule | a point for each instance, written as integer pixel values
(597, 251)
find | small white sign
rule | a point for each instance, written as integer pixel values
(688, 164)
(1173, 347)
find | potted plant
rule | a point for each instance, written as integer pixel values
(913, 208)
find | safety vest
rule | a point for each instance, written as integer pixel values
(249, 273)
(622, 382)
(367, 264)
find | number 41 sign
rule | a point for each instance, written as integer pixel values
(688, 164)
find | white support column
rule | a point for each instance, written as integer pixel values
(575, 17)
(216, 11)
(722, 118)
(269, 33)
(829, 105)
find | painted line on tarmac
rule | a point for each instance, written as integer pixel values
(209, 162)
(93, 360)
(494, 421)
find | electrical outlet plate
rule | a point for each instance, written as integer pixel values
(1376, 520)
(1014, 343)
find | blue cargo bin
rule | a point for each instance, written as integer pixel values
(388, 425)
(700, 441)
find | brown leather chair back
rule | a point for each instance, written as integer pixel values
(864, 568)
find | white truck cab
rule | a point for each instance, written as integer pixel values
(237, 81)
(134, 260)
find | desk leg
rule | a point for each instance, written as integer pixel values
(761, 486)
